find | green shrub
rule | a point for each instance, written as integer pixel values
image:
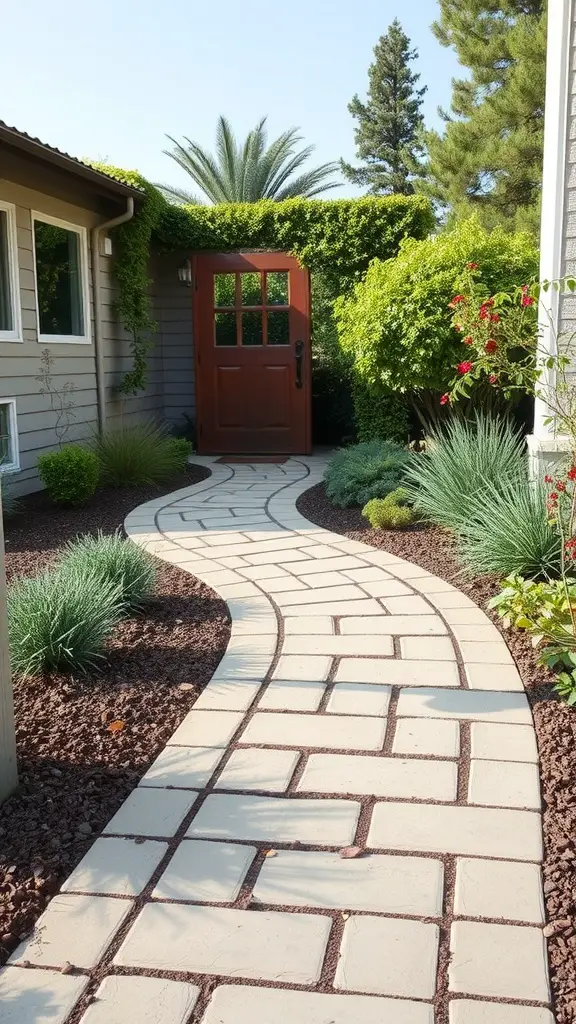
(507, 531)
(379, 414)
(390, 513)
(460, 461)
(182, 449)
(113, 559)
(368, 470)
(60, 622)
(397, 324)
(71, 474)
(139, 453)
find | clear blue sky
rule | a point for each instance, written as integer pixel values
(108, 78)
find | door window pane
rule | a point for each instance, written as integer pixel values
(279, 327)
(6, 313)
(251, 290)
(59, 277)
(277, 288)
(224, 289)
(252, 329)
(225, 328)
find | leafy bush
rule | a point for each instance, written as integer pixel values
(61, 624)
(139, 453)
(368, 470)
(182, 449)
(71, 474)
(397, 323)
(390, 513)
(546, 611)
(379, 414)
(113, 559)
(508, 533)
(461, 461)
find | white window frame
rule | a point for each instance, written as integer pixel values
(14, 465)
(66, 339)
(15, 334)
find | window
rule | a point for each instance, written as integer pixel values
(251, 308)
(9, 291)
(61, 261)
(9, 459)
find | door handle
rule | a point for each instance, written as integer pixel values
(299, 356)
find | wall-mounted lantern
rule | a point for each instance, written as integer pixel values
(185, 273)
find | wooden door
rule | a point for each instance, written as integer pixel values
(252, 342)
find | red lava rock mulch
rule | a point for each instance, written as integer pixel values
(74, 771)
(434, 549)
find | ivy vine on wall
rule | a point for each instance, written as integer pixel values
(336, 237)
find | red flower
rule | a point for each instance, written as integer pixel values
(457, 327)
(524, 289)
(468, 340)
(483, 313)
(560, 485)
(458, 298)
(570, 547)
(464, 367)
(548, 479)
(527, 300)
(572, 473)
(445, 399)
(553, 496)
(490, 346)
(492, 379)
(472, 266)
(494, 318)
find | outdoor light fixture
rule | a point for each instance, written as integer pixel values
(185, 273)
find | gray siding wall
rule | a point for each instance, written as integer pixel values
(173, 312)
(75, 363)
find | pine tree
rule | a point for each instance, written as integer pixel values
(389, 122)
(489, 157)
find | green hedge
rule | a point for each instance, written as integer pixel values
(396, 326)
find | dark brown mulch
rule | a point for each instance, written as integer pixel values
(74, 771)
(555, 723)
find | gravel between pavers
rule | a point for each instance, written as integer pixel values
(555, 723)
(74, 772)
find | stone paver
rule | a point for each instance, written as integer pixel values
(426, 736)
(270, 819)
(116, 867)
(73, 929)
(388, 956)
(140, 1000)
(378, 883)
(330, 731)
(151, 812)
(184, 767)
(205, 872)
(393, 777)
(498, 960)
(499, 889)
(504, 784)
(350, 677)
(270, 946)
(269, 770)
(43, 997)
(248, 1004)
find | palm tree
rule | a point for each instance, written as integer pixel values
(248, 171)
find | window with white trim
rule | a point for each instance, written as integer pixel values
(61, 265)
(9, 297)
(9, 456)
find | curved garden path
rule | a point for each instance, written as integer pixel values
(362, 702)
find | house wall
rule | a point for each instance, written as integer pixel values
(26, 188)
(172, 305)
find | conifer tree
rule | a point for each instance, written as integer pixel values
(389, 124)
(489, 157)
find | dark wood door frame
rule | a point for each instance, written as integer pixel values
(206, 264)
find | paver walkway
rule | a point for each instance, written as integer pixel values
(361, 702)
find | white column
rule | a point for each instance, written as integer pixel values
(8, 773)
(557, 109)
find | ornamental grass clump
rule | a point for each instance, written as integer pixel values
(368, 470)
(463, 460)
(60, 621)
(111, 559)
(507, 532)
(139, 453)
